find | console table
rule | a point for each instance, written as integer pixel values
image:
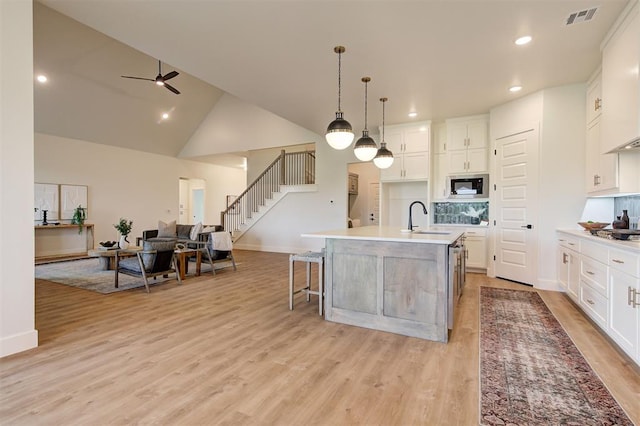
(63, 240)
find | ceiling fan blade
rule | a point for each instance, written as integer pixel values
(173, 89)
(170, 75)
(137, 78)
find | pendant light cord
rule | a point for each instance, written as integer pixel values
(339, 78)
(383, 101)
(366, 83)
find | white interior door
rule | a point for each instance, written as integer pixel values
(374, 204)
(197, 205)
(516, 197)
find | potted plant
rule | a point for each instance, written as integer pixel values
(79, 216)
(124, 228)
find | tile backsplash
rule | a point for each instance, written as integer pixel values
(460, 213)
(632, 205)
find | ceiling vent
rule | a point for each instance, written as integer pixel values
(581, 16)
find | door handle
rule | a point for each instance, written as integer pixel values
(527, 226)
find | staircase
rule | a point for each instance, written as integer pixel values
(289, 172)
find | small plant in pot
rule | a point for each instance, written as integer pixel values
(124, 228)
(79, 216)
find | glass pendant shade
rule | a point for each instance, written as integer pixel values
(339, 133)
(365, 148)
(384, 157)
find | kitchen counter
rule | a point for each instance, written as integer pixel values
(627, 245)
(384, 279)
(395, 234)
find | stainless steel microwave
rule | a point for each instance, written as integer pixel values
(476, 186)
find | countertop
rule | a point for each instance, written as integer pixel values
(633, 246)
(387, 233)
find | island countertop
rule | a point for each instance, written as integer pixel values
(391, 234)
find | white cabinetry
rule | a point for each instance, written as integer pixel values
(476, 245)
(467, 142)
(601, 169)
(624, 301)
(569, 266)
(621, 82)
(409, 144)
(608, 285)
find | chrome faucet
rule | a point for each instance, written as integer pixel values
(424, 209)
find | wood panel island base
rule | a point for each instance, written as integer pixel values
(388, 280)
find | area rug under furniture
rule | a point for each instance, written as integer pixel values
(89, 275)
(531, 373)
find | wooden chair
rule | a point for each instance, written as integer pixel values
(156, 258)
(218, 248)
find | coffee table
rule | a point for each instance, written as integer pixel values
(183, 256)
(107, 258)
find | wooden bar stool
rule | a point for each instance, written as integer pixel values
(308, 257)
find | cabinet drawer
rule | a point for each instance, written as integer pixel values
(569, 242)
(595, 273)
(475, 232)
(594, 251)
(594, 304)
(624, 261)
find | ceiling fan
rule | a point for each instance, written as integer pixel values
(160, 79)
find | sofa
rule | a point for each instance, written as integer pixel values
(182, 233)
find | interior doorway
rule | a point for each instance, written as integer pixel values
(516, 199)
(192, 198)
(363, 204)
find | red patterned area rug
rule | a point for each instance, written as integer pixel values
(531, 373)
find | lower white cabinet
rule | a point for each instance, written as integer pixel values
(476, 246)
(624, 309)
(603, 278)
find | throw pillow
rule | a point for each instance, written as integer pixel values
(195, 230)
(166, 229)
(209, 229)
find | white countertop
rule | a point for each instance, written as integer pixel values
(633, 246)
(387, 233)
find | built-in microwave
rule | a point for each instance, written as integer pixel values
(476, 186)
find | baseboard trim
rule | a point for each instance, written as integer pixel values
(13, 344)
(551, 285)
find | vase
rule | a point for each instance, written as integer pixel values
(618, 223)
(625, 219)
(123, 244)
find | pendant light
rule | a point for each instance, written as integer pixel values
(384, 157)
(339, 133)
(366, 147)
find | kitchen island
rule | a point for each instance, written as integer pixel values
(386, 279)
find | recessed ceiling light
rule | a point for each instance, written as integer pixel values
(515, 88)
(42, 78)
(165, 116)
(413, 114)
(523, 40)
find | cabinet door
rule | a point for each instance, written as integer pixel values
(393, 138)
(440, 138)
(416, 140)
(416, 165)
(573, 286)
(477, 134)
(395, 172)
(476, 252)
(457, 161)
(623, 320)
(620, 87)
(562, 262)
(608, 171)
(592, 151)
(594, 100)
(477, 161)
(456, 136)
(439, 186)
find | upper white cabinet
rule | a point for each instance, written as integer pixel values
(594, 98)
(621, 82)
(467, 145)
(601, 170)
(409, 144)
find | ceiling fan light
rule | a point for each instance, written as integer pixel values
(365, 148)
(384, 157)
(339, 133)
(160, 82)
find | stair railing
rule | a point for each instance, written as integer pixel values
(294, 168)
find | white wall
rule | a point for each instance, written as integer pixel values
(560, 115)
(299, 213)
(136, 185)
(17, 313)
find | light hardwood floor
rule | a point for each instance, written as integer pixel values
(226, 350)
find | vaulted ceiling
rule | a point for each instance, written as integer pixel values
(438, 58)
